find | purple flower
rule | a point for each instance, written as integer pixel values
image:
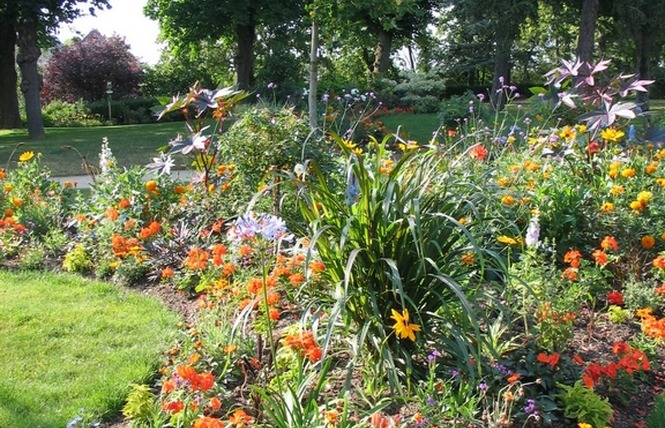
(481, 97)
(433, 356)
(454, 373)
(273, 227)
(483, 386)
(530, 406)
(431, 401)
(271, 85)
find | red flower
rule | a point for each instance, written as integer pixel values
(615, 298)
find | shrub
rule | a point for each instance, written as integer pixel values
(83, 69)
(126, 112)
(63, 113)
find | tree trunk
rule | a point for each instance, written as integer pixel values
(587, 30)
(382, 52)
(644, 49)
(31, 80)
(313, 75)
(504, 42)
(9, 113)
(244, 60)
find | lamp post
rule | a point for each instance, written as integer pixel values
(109, 92)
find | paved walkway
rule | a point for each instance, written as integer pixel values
(84, 181)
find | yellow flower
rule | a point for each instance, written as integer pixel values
(644, 197)
(468, 259)
(611, 134)
(349, 144)
(503, 181)
(584, 425)
(660, 181)
(628, 173)
(508, 200)
(506, 240)
(580, 128)
(403, 328)
(636, 205)
(607, 207)
(410, 145)
(644, 312)
(567, 133)
(151, 186)
(26, 156)
(617, 190)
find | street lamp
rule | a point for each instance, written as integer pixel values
(109, 92)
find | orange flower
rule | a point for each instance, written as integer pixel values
(173, 406)
(609, 243)
(218, 253)
(659, 262)
(215, 403)
(17, 202)
(578, 360)
(167, 272)
(151, 186)
(239, 418)
(572, 257)
(660, 290)
(124, 203)
(168, 386)
(197, 259)
(600, 257)
(513, 378)
(296, 279)
(570, 274)
(152, 229)
(648, 242)
(478, 152)
(112, 214)
(209, 422)
(274, 314)
(551, 360)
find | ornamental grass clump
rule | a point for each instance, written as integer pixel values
(392, 244)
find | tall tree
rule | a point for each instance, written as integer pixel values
(588, 20)
(392, 23)
(9, 113)
(643, 19)
(30, 23)
(187, 22)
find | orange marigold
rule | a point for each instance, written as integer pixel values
(609, 243)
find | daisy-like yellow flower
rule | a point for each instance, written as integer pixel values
(644, 312)
(644, 197)
(468, 259)
(567, 133)
(410, 145)
(504, 181)
(611, 134)
(26, 156)
(660, 181)
(607, 207)
(617, 190)
(628, 173)
(403, 328)
(507, 240)
(508, 200)
(580, 128)
(583, 425)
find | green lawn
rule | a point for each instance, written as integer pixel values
(417, 127)
(69, 343)
(131, 144)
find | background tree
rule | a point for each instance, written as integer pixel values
(32, 23)
(187, 22)
(83, 69)
(9, 113)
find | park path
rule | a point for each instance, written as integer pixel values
(84, 181)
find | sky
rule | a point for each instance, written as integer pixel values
(126, 19)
